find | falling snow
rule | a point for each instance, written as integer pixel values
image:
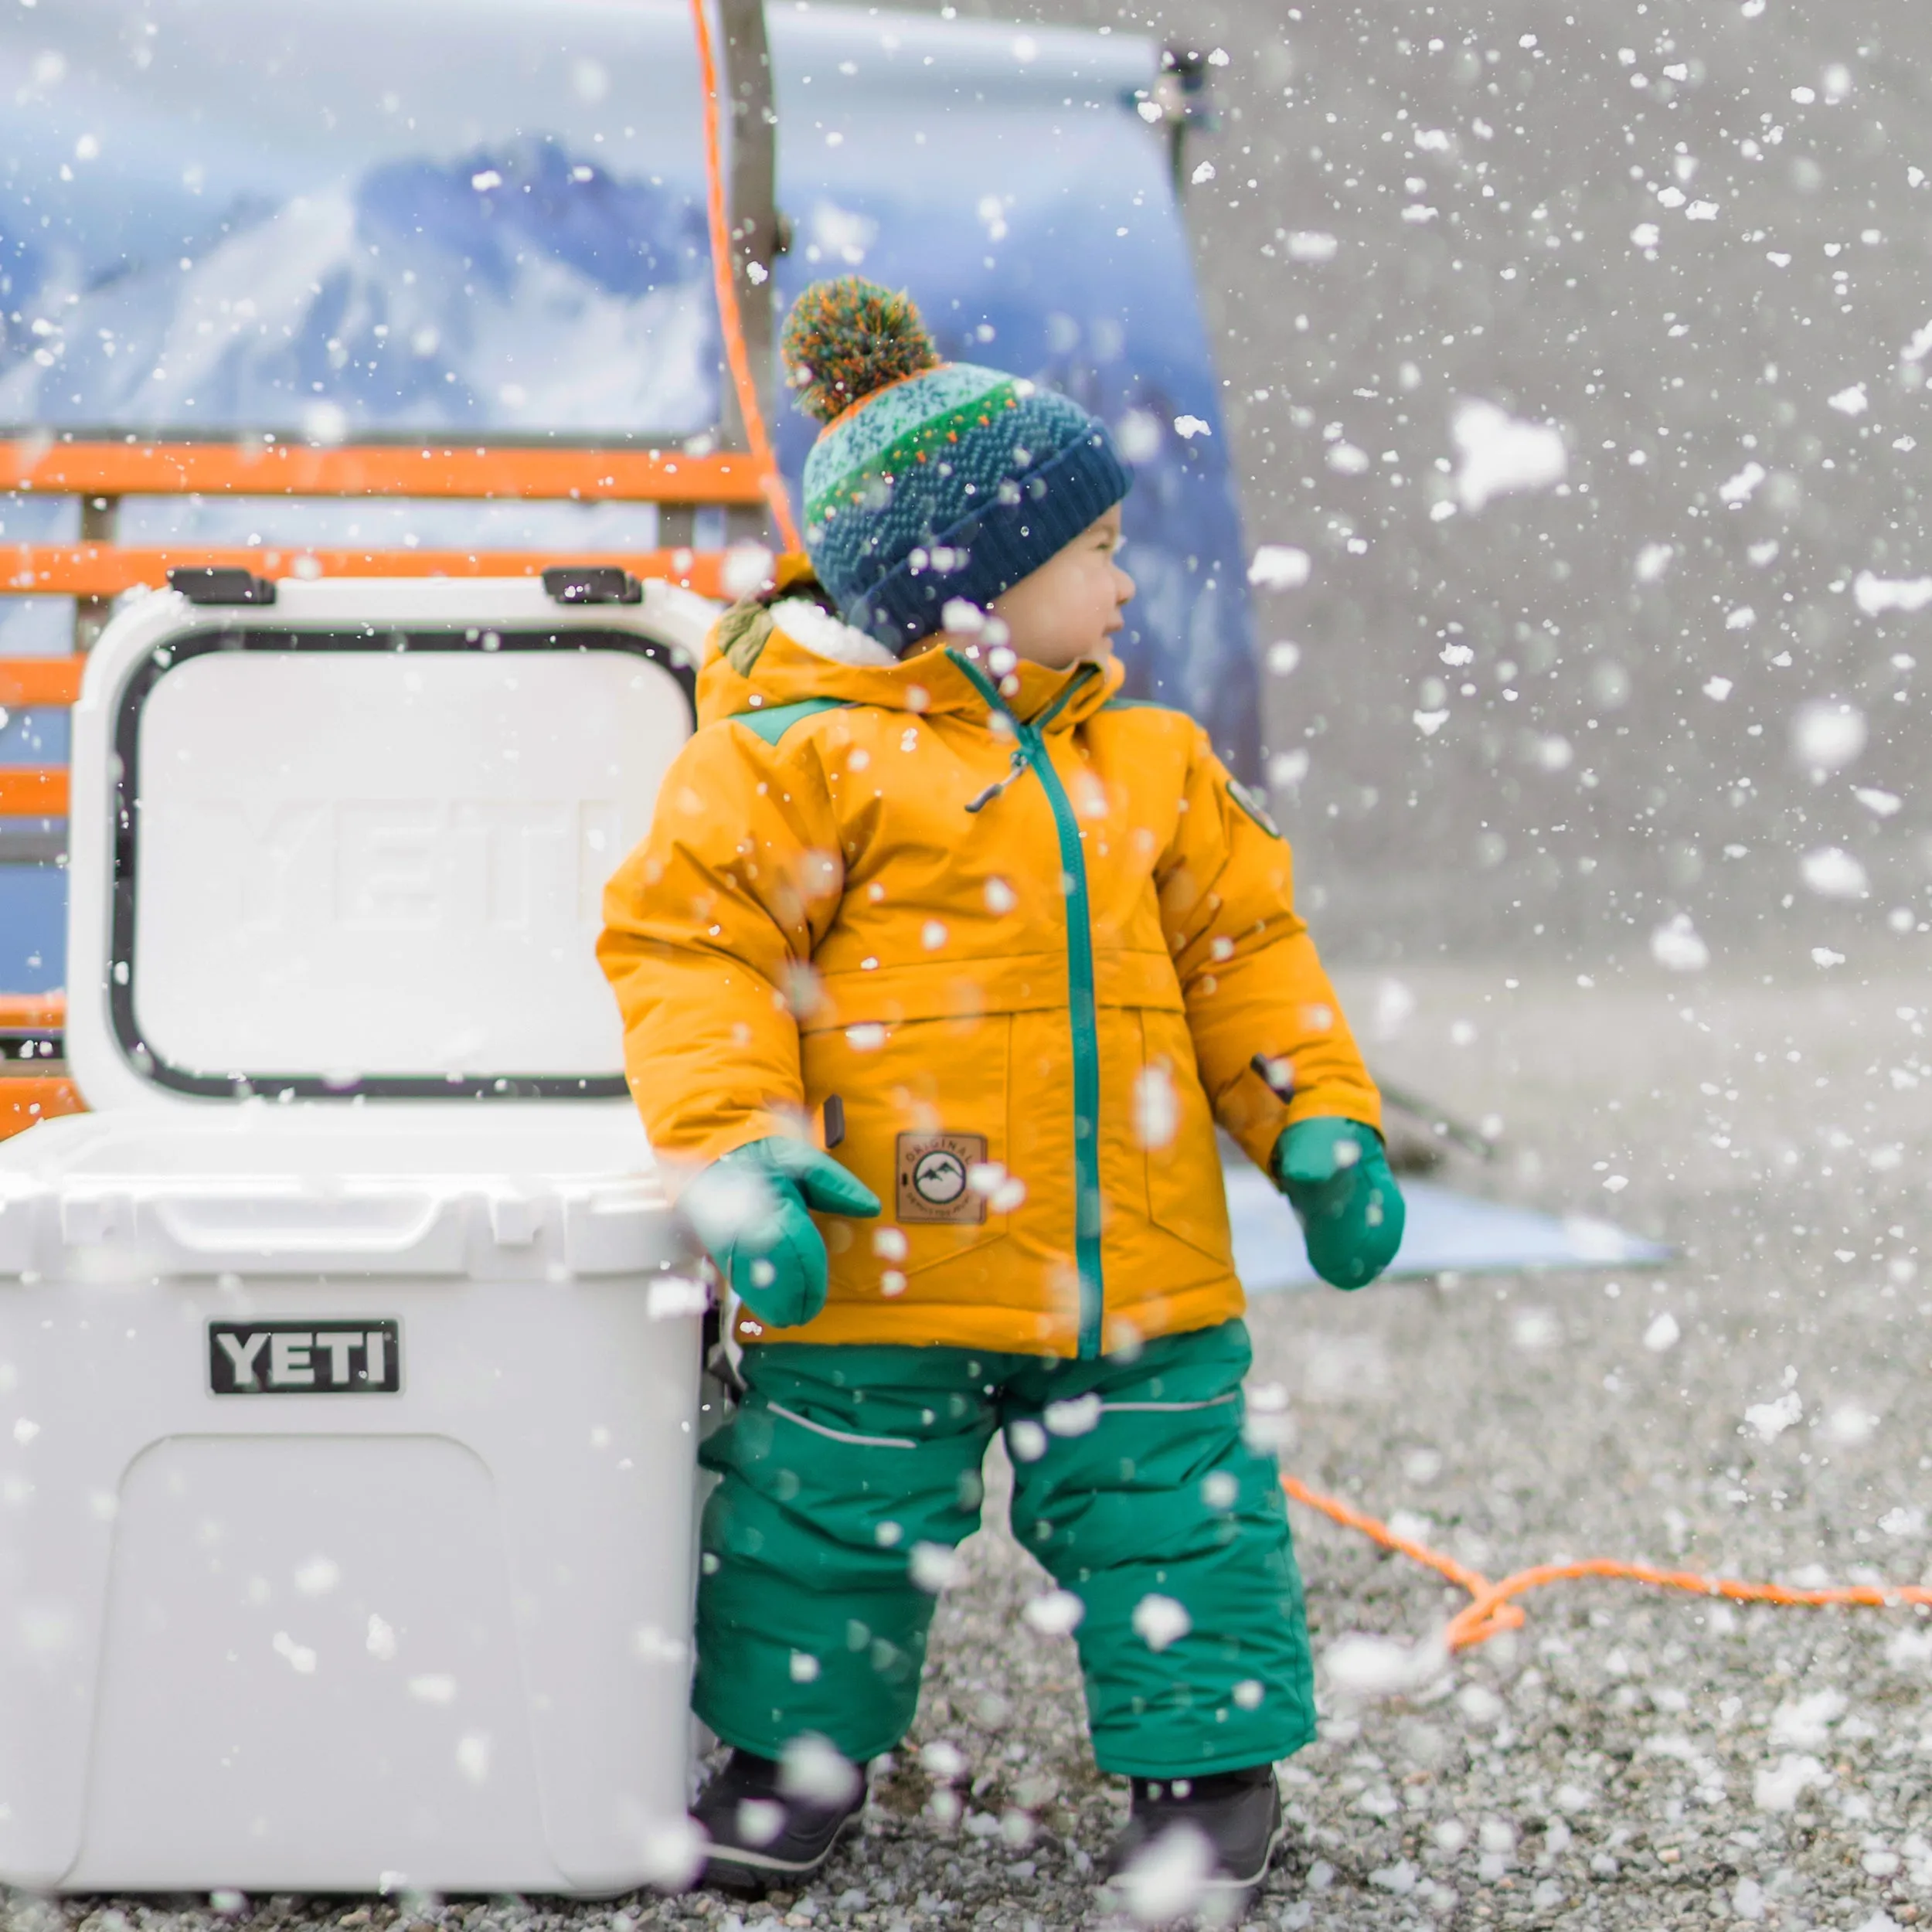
(1501, 457)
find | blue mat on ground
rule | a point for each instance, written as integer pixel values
(1448, 1232)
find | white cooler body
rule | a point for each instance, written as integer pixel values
(349, 1352)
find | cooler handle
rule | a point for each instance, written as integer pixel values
(403, 1233)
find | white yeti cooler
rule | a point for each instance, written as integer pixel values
(349, 1359)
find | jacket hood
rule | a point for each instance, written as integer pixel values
(765, 655)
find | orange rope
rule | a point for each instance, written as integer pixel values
(1493, 1608)
(737, 354)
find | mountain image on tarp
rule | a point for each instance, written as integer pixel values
(522, 289)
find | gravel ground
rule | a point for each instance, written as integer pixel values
(1626, 1760)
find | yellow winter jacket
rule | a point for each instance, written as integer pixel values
(1009, 950)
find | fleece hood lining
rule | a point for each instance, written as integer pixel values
(825, 636)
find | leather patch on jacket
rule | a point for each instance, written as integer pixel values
(932, 1171)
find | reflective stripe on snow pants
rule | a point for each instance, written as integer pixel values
(1139, 1495)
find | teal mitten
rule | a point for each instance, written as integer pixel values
(1337, 1180)
(748, 1209)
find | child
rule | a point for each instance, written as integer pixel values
(938, 967)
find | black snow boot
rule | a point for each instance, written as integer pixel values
(762, 1835)
(1237, 1813)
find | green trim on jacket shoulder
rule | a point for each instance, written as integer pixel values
(1253, 806)
(1141, 704)
(772, 724)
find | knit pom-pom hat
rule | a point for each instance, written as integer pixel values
(930, 481)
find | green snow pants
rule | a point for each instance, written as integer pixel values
(850, 1470)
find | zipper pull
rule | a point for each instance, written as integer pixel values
(1021, 760)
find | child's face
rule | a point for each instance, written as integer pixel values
(1068, 608)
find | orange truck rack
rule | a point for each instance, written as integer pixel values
(101, 474)
(267, 468)
(98, 569)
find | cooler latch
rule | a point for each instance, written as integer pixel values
(591, 584)
(216, 584)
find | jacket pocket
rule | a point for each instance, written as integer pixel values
(1174, 1126)
(924, 1106)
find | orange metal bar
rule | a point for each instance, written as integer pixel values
(26, 1012)
(28, 791)
(258, 469)
(40, 680)
(105, 570)
(28, 1100)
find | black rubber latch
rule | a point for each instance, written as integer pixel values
(217, 583)
(591, 584)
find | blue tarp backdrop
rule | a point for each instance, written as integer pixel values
(513, 244)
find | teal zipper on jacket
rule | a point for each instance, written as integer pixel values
(1082, 1010)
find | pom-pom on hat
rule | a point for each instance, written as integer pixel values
(931, 481)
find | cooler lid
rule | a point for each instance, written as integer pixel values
(352, 845)
(260, 1191)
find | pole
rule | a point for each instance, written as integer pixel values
(753, 132)
(724, 256)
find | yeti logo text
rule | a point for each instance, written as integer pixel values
(410, 864)
(304, 1357)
